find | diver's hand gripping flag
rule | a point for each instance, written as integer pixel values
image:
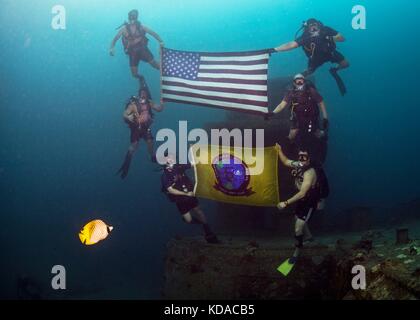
(232, 81)
(223, 174)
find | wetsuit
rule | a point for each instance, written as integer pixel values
(180, 181)
(304, 108)
(136, 44)
(308, 205)
(142, 130)
(320, 49)
(138, 131)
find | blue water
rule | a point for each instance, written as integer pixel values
(62, 138)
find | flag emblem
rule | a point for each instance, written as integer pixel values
(232, 175)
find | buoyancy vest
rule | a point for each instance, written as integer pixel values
(134, 38)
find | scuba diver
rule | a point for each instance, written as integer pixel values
(319, 44)
(305, 103)
(139, 117)
(312, 183)
(179, 189)
(135, 42)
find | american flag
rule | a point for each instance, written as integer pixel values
(233, 81)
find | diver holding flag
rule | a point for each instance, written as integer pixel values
(178, 187)
(312, 183)
(319, 44)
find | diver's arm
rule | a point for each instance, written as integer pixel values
(308, 178)
(114, 41)
(129, 111)
(287, 46)
(177, 192)
(153, 34)
(339, 38)
(157, 108)
(285, 160)
(280, 107)
(323, 109)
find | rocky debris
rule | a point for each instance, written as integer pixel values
(238, 270)
(402, 236)
(414, 251)
(243, 269)
(364, 244)
(372, 235)
(391, 280)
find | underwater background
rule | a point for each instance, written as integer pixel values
(62, 137)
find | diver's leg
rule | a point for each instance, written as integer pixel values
(201, 218)
(199, 215)
(187, 217)
(340, 60)
(312, 66)
(342, 63)
(135, 72)
(299, 226)
(123, 171)
(147, 56)
(340, 66)
(307, 233)
(155, 64)
(196, 216)
(134, 58)
(150, 145)
(308, 72)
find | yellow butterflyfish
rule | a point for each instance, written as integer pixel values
(94, 231)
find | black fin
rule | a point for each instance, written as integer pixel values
(339, 81)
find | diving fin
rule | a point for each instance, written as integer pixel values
(123, 171)
(287, 266)
(339, 81)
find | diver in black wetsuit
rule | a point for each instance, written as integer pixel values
(319, 44)
(312, 184)
(179, 189)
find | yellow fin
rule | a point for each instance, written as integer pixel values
(285, 268)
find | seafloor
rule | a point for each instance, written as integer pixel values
(243, 268)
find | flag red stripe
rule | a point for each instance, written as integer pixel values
(246, 72)
(217, 107)
(227, 80)
(224, 99)
(235, 63)
(217, 89)
(233, 54)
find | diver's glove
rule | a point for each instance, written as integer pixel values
(325, 124)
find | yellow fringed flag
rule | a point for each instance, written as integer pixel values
(246, 176)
